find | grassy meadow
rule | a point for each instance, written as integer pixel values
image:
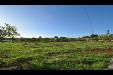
(55, 55)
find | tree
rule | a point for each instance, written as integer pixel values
(2, 32)
(56, 37)
(34, 39)
(40, 37)
(94, 37)
(64, 39)
(11, 31)
(8, 31)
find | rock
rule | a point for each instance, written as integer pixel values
(111, 61)
(110, 66)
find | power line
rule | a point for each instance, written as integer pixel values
(90, 23)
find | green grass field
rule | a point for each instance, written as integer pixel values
(55, 55)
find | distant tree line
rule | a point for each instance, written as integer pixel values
(8, 33)
(92, 37)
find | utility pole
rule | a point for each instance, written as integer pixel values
(108, 31)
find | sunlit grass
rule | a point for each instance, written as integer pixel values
(55, 55)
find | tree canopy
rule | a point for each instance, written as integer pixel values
(8, 31)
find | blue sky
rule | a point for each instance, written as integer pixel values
(59, 20)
